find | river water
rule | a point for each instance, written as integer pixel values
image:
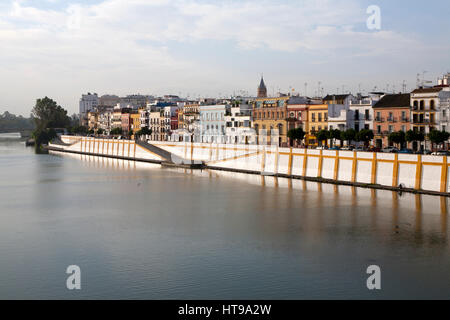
(141, 232)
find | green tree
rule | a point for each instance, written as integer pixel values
(116, 131)
(145, 131)
(335, 134)
(296, 134)
(438, 137)
(43, 136)
(48, 114)
(79, 130)
(10, 122)
(348, 135)
(322, 135)
(414, 136)
(100, 131)
(365, 135)
(398, 138)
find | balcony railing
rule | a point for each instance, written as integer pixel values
(424, 121)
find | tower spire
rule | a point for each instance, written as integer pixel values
(262, 89)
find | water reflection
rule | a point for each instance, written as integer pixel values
(416, 217)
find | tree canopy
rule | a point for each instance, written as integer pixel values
(348, 135)
(10, 122)
(296, 134)
(365, 135)
(116, 131)
(398, 137)
(322, 135)
(145, 131)
(438, 137)
(48, 114)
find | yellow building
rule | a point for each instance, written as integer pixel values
(135, 122)
(269, 120)
(317, 120)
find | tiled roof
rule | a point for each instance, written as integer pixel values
(394, 101)
(428, 90)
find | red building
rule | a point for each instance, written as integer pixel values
(174, 122)
(391, 114)
(297, 117)
(126, 122)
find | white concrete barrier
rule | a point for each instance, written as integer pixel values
(429, 173)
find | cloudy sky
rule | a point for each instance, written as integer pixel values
(62, 48)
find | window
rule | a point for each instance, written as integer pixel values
(378, 116)
(367, 115)
(403, 116)
(422, 105)
(390, 129)
(313, 117)
(320, 118)
(432, 105)
(404, 128)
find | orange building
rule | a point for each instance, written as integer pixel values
(391, 114)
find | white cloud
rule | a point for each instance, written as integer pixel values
(101, 44)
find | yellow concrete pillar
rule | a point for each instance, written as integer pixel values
(336, 166)
(290, 162)
(419, 173)
(305, 162)
(395, 173)
(354, 166)
(444, 173)
(319, 169)
(373, 179)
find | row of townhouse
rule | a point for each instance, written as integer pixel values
(267, 120)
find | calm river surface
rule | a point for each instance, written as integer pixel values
(141, 232)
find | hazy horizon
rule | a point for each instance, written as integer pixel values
(62, 49)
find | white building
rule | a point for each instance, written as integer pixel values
(155, 125)
(429, 109)
(144, 115)
(212, 123)
(362, 112)
(339, 117)
(166, 125)
(87, 102)
(105, 120)
(238, 125)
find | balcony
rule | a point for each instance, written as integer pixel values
(424, 121)
(379, 119)
(391, 119)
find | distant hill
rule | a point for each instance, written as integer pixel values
(12, 123)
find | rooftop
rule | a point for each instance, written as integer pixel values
(401, 100)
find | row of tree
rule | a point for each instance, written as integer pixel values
(10, 122)
(349, 135)
(435, 136)
(366, 135)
